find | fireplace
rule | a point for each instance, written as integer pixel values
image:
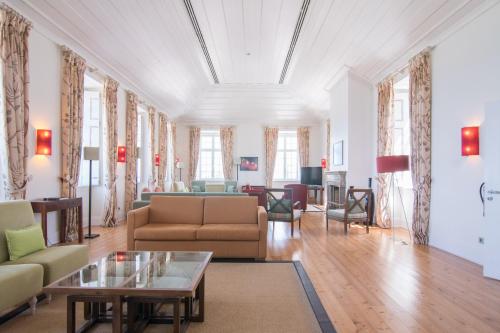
(335, 184)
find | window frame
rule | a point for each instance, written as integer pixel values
(212, 150)
(287, 134)
(83, 183)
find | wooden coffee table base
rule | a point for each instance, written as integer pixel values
(141, 311)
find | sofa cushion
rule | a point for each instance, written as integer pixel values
(24, 241)
(57, 261)
(228, 232)
(166, 232)
(215, 188)
(176, 210)
(18, 283)
(230, 209)
(14, 214)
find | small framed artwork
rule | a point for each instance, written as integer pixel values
(338, 153)
(249, 163)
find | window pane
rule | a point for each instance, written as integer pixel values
(218, 172)
(281, 142)
(279, 169)
(205, 142)
(205, 164)
(291, 165)
(216, 141)
(291, 142)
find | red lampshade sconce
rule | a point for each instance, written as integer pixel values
(43, 142)
(323, 163)
(470, 141)
(157, 159)
(122, 153)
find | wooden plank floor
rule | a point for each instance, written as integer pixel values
(367, 283)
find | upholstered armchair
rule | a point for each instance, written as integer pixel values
(281, 208)
(299, 193)
(355, 209)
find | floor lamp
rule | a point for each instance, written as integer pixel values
(90, 154)
(393, 164)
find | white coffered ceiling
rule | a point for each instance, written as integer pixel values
(152, 46)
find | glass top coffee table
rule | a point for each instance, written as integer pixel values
(144, 280)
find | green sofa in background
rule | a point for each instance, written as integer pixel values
(146, 196)
(23, 279)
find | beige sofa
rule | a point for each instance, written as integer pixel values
(231, 227)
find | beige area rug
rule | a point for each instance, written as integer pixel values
(240, 297)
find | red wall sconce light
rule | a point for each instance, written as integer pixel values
(470, 141)
(323, 163)
(43, 142)
(122, 154)
(157, 159)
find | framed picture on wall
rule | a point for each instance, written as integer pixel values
(249, 163)
(338, 153)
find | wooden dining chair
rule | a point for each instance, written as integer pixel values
(281, 208)
(355, 209)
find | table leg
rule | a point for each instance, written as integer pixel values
(200, 293)
(62, 232)
(80, 225)
(43, 213)
(117, 314)
(70, 321)
(177, 316)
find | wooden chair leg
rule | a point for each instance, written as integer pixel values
(367, 227)
(292, 228)
(345, 227)
(300, 219)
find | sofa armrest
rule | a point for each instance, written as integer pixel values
(135, 219)
(262, 221)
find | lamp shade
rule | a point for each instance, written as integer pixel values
(179, 165)
(91, 153)
(391, 164)
(470, 141)
(43, 142)
(122, 154)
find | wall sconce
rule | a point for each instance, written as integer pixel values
(122, 154)
(157, 159)
(43, 142)
(323, 163)
(470, 141)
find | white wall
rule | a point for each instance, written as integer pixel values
(352, 115)
(249, 141)
(466, 75)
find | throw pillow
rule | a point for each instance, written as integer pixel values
(230, 188)
(196, 188)
(22, 242)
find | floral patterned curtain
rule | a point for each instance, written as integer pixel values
(328, 144)
(110, 100)
(162, 150)
(271, 143)
(194, 153)
(384, 148)
(152, 148)
(226, 142)
(420, 131)
(303, 143)
(131, 151)
(71, 130)
(14, 31)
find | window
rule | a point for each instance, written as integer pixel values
(210, 159)
(140, 141)
(286, 166)
(401, 127)
(92, 135)
(170, 153)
